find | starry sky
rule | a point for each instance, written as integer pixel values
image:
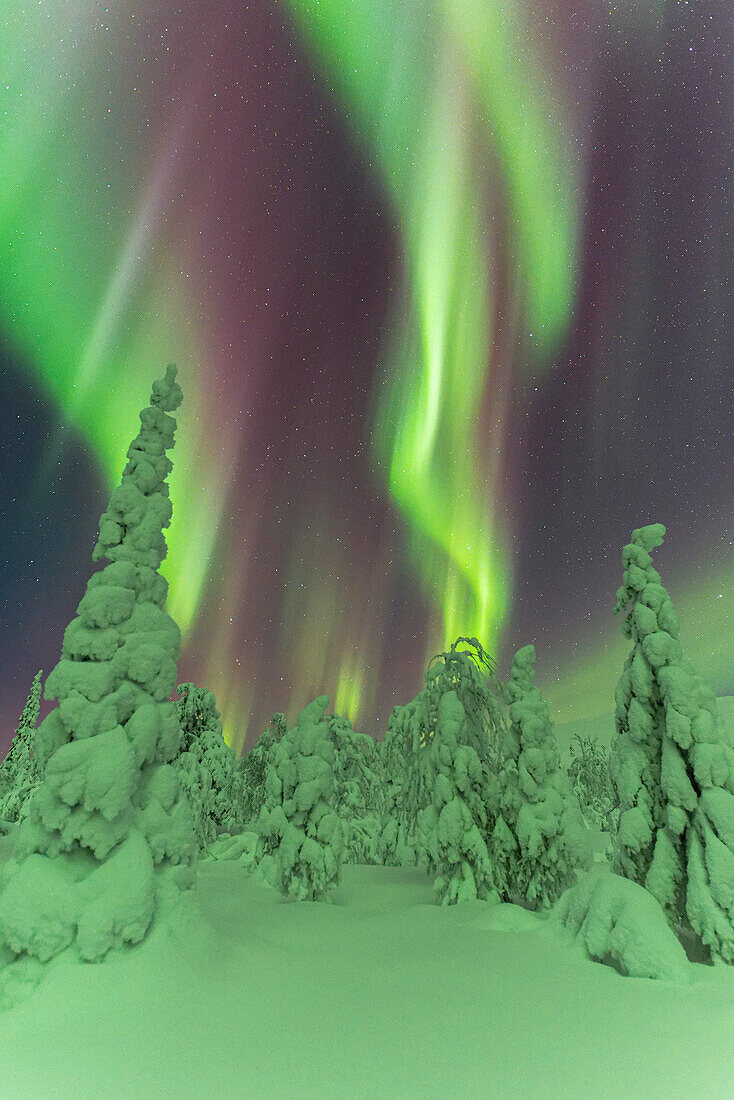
(448, 285)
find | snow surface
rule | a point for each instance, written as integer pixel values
(381, 994)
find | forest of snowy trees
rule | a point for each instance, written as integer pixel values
(114, 798)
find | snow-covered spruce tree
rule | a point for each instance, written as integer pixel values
(391, 845)
(357, 780)
(19, 771)
(206, 765)
(404, 782)
(539, 839)
(407, 769)
(463, 799)
(672, 764)
(300, 834)
(253, 770)
(636, 752)
(590, 782)
(109, 835)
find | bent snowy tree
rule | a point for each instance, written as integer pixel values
(672, 764)
(453, 826)
(109, 832)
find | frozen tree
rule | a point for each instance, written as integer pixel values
(636, 751)
(20, 759)
(404, 782)
(205, 764)
(301, 840)
(408, 773)
(19, 772)
(472, 675)
(463, 798)
(391, 840)
(590, 782)
(253, 770)
(109, 836)
(196, 783)
(539, 839)
(241, 821)
(357, 779)
(672, 764)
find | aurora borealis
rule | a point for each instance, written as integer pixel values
(448, 285)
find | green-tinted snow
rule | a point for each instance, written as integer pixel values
(381, 994)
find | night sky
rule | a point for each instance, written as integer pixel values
(449, 287)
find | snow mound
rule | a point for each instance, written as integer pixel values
(612, 916)
(495, 916)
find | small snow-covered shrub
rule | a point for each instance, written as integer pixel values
(362, 839)
(613, 917)
(240, 848)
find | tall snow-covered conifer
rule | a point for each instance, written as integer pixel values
(672, 764)
(636, 751)
(109, 833)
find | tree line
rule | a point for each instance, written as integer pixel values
(114, 798)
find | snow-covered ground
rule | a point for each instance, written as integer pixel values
(381, 994)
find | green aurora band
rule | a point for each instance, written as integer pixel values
(434, 91)
(76, 284)
(470, 148)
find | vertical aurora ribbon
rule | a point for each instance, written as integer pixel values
(85, 301)
(443, 96)
(103, 281)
